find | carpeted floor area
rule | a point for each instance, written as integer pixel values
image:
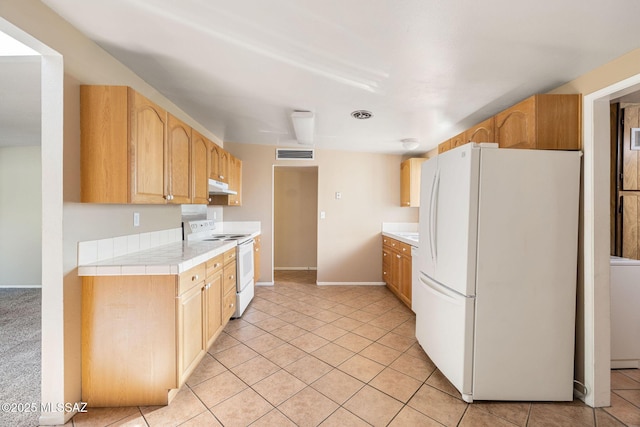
(20, 356)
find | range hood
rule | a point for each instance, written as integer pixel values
(219, 187)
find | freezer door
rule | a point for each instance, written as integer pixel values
(444, 329)
(455, 219)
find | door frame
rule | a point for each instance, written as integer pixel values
(596, 239)
(52, 387)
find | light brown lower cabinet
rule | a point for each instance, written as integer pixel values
(396, 268)
(142, 336)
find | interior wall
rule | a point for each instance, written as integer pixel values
(84, 63)
(593, 312)
(20, 216)
(295, 197)
(349, 238)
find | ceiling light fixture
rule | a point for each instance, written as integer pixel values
(410, 143)
(362, 114)
(303, 123)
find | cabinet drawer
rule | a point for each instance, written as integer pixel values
(229, 305)
(389, 242)
(403, 248)
(229, 256)
(215, 264)
(229, 280)
(191, 277)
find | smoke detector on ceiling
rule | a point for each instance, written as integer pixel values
(362, 114)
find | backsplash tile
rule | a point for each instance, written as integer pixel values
(93, 251)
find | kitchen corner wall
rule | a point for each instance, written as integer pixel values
(349, 243)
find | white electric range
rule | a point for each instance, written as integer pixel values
(205, 230)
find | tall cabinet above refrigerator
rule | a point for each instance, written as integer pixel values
(496, 294)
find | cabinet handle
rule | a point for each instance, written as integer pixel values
(257, 249)
(209, 198)
(231, 305)
(398, 256)
(231, 277)
(221, 176)
(194, 278)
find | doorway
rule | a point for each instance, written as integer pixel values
(594, 346)
(295, 219)
(52, 382)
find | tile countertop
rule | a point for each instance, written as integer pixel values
(168, 259)
(172, 258)
(410, 238)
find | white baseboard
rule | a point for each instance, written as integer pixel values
(350, 283)
(296, 268)
(264, 284)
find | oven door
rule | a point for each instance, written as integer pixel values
(245, 265)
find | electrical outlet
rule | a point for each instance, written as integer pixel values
(338, 195)
(322, 215)
(136, 219)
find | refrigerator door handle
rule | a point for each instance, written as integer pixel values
(433, 216)
(441, 291)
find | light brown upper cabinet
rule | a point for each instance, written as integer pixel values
(444, 146)
(234, 181)
(458, 140)
(410, 182)
(482, 132)
(178, 164)
(200, 156)
(547, 122)
(219, 164)
(122, 146)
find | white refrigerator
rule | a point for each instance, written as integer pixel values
(495, 297)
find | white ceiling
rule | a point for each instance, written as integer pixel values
(427, 69)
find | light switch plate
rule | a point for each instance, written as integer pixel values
(136, 219)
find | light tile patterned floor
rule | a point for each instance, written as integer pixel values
(341, 356)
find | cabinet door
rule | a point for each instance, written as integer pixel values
(215, 155)
(405, 183)
(386, 266)
(482, 132)
(410, 182)
(148, 129)
(516, 126)
(458, 140)
(190, 331)
(404, 284)
(630, 226)
(235, 181)
(213, 304)
(223, 165)
(199, 169)
(630, 158)
(178, 161)
(444, 146)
